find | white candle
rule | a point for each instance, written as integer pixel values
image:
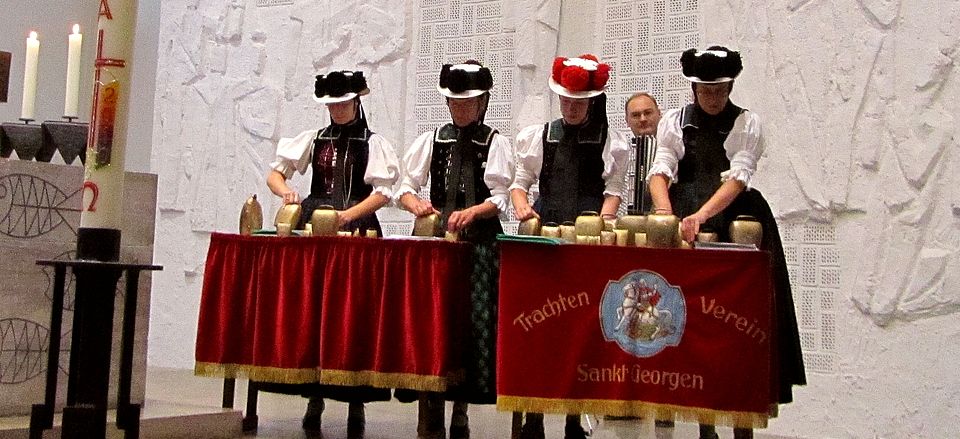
(74, 41)
(107, 136)
(27, 110)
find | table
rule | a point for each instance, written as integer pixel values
(387, 313)
(668, 333)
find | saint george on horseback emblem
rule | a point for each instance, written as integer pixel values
(642, 313)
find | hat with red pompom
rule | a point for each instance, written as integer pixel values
(581, 77)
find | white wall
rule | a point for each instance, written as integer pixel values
(857, 104)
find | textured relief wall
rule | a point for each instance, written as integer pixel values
(857, 100)
(858, 110)
(234, 77)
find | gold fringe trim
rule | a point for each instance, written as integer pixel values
(427, 383)
(633, 408)
(257, 373)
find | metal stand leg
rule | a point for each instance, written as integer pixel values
(229, 388)
(41, 415)
(516, 423)
(250, 419)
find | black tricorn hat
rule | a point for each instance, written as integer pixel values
(339, 87)
(467, 80)
(715, 65)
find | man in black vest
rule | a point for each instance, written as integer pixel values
(706, 156)
(579, 162)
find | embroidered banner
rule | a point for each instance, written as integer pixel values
(670, 333)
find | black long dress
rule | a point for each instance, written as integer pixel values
(697, 180)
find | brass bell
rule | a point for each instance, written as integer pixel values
(550, 230)
(640, 239)
(251, 216)
(622, 239)
(608, 237)
(289, 213)
(451, 236)
(633, 224)
(706, 237)
(529, 226)
(662, 231)
(427, 225)
(568, 231)
(325, 221)
(589, 223)
(746, 230)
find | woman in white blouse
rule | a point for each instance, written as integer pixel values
(469, 166)
(354, 171)
(706, 155)
(579, 162)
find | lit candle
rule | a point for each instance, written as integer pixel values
(27, 110)
(75, 40)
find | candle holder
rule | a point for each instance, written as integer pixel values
(70, 138)
(24, 138)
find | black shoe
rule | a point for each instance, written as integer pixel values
(622, 418)
(708, 432)
(311, 419)
(663, 424)
(572, 431)
(459, 432)
(532, 430)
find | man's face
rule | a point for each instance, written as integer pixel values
(643, 116)
(712, 98)
(574, 111)
(464, 111)
(343, 112)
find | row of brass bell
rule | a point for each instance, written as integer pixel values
(323, 222)
(658, 231)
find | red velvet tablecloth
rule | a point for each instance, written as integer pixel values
(335, 310)
(669, 333)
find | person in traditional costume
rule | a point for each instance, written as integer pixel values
(579, 162)
(354, 170)
(469, 166)
(707, 153)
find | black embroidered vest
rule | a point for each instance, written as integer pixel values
(456, 176)
(704, 159)
(339, 162)
(571, 176)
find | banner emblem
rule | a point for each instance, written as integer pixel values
(643, 313)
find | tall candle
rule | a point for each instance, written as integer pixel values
(74, 41)
(28, 110)
(101, 216)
